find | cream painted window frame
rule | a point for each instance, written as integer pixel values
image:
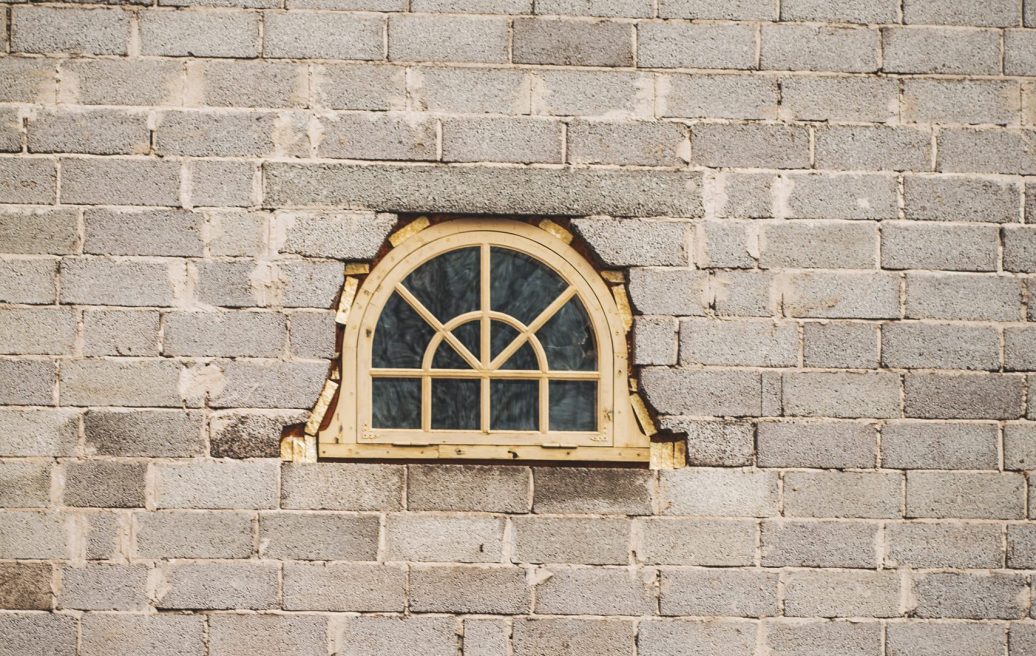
(347, 433)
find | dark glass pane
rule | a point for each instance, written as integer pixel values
(501, 335)
(514, 404)
(448, 285)
(396, 403)
(568, 339)
(448, 358)
(401, 336)
(521, 286)
(456, 404)
(573, 405)
(470, 335)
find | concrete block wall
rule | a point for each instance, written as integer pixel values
(827, 211)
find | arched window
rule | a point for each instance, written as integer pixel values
(484, 339)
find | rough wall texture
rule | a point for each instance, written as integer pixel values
(826, 215)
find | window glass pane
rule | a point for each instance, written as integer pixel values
(401, 336)
(456, 404)
(446, 357)
(521, 286)
(396, 403)
(514, 404)
(568, 339)
(573, 405)
(501, 335)
(448, 285)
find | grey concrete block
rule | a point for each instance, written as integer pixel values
(949, 247)
(239, 283)
(342, 486)
(609, 8)
(744, 293)
(707, 9)
(840, 196)
(840, 345)
(965, 495)
(977, 150)
(145, 232)
(28, 535)
(750, 146)
(37, 331)
(360, 86)
(1000, 13)
(29, 281)
(655, 340)
(39, 634)
(943, 544)
(182, 534)
(1020, 446)
(1019, 248)
(928, 638)
(818, 245)
(963, 297)
(596, 591)
(223, 183)
(444, 538)
(668, 291)
(841, 11)
(318, 536)
(484, 189)
(714, 592)
(231, 233)
(842, 295)
(685, 391)
(231, 134)
(626, 242)
(710, 636)
(1021, 546)
(586, 94)
(846, 395)
(270, 384)
(799, 638)
(607, 491)
(371, 636)
(38, 231)
(714, 443)
(225, 334)
(110, 281)
(960, 101)
(645, 144)
(828, 593)
(468, 589)
(124, 634)
(941, 50)
(96, 132)
(103, 586)
(310, 284)
(873, 148)
(705, 542)
(915, 345)
(228, 484)
(151, 433)
(431, 38)
(557, 41)
(379, 135)
(965, 396)
(819, 48)
(848, 99)
(1019, 52)
(717, 96)
(688, 45)
(28, 80)
(33, 382)
(218, 585)
(825, 444)
(465, 90)
(250, 433)
(230, 83)
(140, 82)
(796, 543)
(939, 445)
(501, 139)
(37, 432)
(577, 540)
(970, 595)
(105, 484)
(27, 180)
(835, 494)
(344, 587)
(727, 244)
(738, 343)
(718, 492)
(958, 198)
(120, 181)
(241, 635)
(27, 586)
(120, 332)
(200, 34)
(123, 382)
(469, 488)
(43, 30)
(312, 334)
(24, 484)
(486, 636)
(605, 637)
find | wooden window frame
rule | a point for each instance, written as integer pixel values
(346, 430)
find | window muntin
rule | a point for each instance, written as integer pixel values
(508, 346)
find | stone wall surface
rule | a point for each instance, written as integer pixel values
(827, 218)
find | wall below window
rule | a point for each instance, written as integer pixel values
(826, 216)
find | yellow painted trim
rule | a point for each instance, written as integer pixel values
(409, 230)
